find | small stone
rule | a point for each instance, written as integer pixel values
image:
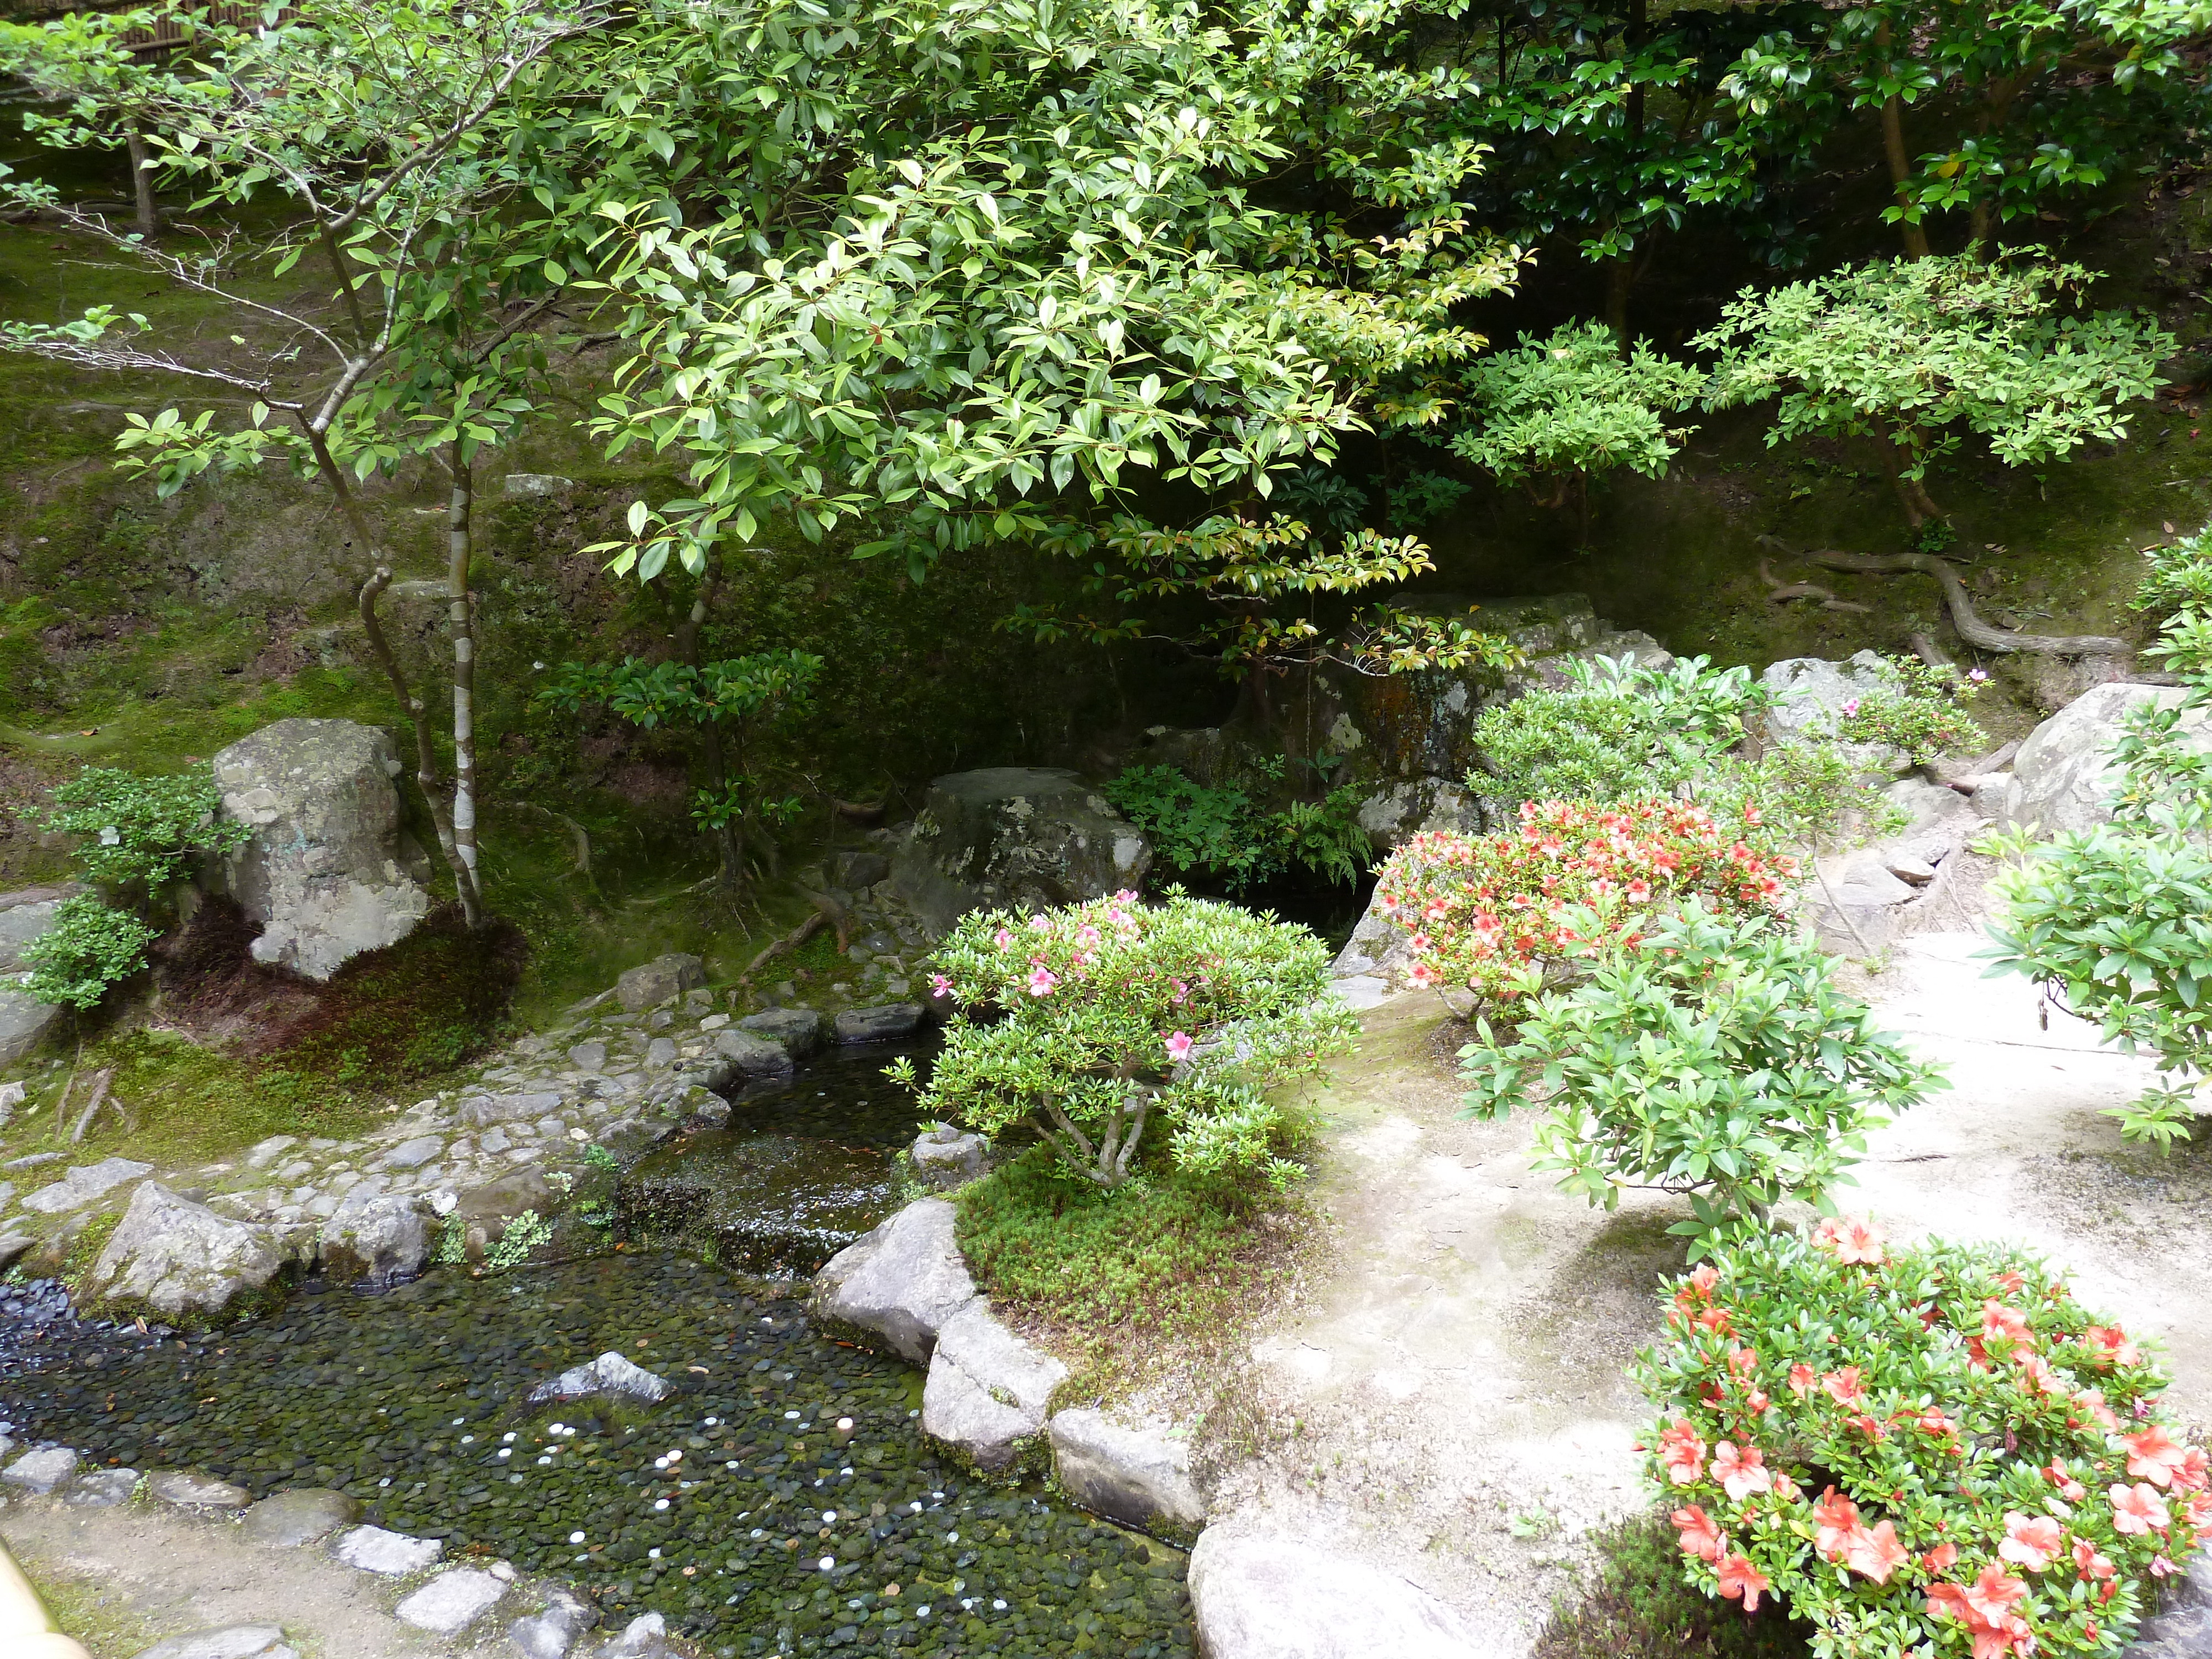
(290, 1519)
(452, 1601)
(944, 1158)
(643, 1637)
(233, 1642)
(413, 1154)
(103, 1489)
(589, 1056)
(394, 1554)
(551, 1633)
(266, 1153)
(189, 1489)
(611, 1375)
(713, 1022)
(495, 1140)
(660, 1054)
(41, 1471)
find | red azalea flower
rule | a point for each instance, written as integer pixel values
(1741, 1473)
(1843, 1387)
(1740, 1578)
(1699, 1536)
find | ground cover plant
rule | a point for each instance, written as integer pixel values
(1935, 1449)
(1092, 1023)
(1219, 832)
(1704, 1055)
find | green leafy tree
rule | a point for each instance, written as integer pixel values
(1915, 354)
(1092, 1023)
(726, 705)
(397, 148)
(1551, 414)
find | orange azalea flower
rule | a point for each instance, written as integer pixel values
(1740, 1578)
(1874, 1554)
(1683, 1449)
(2191, 1475)
(2092, 1400)
(1837, 1517)
(2091, 1564)
(2030, 1541)
(2153, 1456)
(1743, 1361)
(2069, 1488)
(2004, 1324)
(1941, 1558)
(1868, 1426)
(1994, 1595)
(1791, 1492)
(1714, 1319)
(2198, 1510)
(1802, 1378)
(1851, 1239)
(1932, 1421)
(1741, 1473)
(1843, 1387)
(2139, 1509)
(1699, 1536)
(2112, 1345)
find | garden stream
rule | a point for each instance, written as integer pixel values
(783, 1500)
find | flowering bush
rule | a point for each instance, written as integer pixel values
(1934, 1451)
(1711, 1056)
(1501, 913)
(1092, 1019)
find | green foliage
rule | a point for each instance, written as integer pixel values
(1419, 499)
(1918, 708)
(1219, 833)
(1552, 413)
(2179, 578)
(89, 947)
(522, 1234)
(1637, 1603)
(1709, 1056)
(1093, 1023)
(1917, 353)
(651, 695)
(134, 828)
(1936, 1450)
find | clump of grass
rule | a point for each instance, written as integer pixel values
(1161, 1272)
(1637, 1603)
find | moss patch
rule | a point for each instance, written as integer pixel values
(104, 1620)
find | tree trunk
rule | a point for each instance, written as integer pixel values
(729, 838)
(1919, 506)
(1900, 167)
(461, 619)
(148, 215)
(1619, 277)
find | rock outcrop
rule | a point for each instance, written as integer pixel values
(325, 873)
(1021, 838)
(987, 1390)
(177, 1260)
(944, 1158)
(898, 1285)
(2064, 777)
(376, 1240)
(1264, 1598)
(662, 979)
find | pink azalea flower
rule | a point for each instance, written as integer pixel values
(1040, 923)
(1041, 980)
(2139, 1509)
(1683, 1449)
(1978, 675)
(1179, 1047)
(1741, 1473)
(2154, 1457)
(939, 985)
(1002, 939)
(2030, 1541)
(1699, 1536)
(1875, 1555)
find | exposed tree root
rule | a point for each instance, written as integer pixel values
(1972, 629)
(827, 912)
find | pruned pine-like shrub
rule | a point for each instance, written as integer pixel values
(1934, 1451)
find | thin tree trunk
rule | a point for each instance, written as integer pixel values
(426, 757)
(1619, 277)
(149, 216)
(1919, 506)
(729, 838)
(461, 619)
(1900, 167)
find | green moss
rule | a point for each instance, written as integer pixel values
(100, 1616)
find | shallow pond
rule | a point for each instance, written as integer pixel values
(740, 1508)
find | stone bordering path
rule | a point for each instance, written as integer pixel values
(206, 1571)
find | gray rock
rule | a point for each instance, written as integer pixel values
(659, 981)
(1409, 807)
(480, 1110)
(189, 1489)
(858, 868)
(660, 1054)
(896, 1286)
(179, 1259)
(610, 1375)
(798, 1030)
(2064, 777)
(41, 1471)
(1139, 1477)
(392, 1554)
(232, 1642)
(536, 485)
(2182, 1627)
(287, 1520)
(987, 1389)
(589, 1056)
(550, 1633)
(103, 1489)
(26, 915)
(452, 1601)
(1378, 948)
(945, 1159)
(885, 1023)
(1020, 837)
(375, 1240)
(627, 1140)
(266, 1153)
(750, 1057)
(1262, 1598)
(413, 1154)
(83, 1183)
(1809, 696)
(644, 1638)
(325, 873)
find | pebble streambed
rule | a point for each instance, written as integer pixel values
(739, 1509)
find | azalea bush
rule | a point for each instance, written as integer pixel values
(1501, 915)
(1099, 1024)
(1711, 1056)
(1934, 1451)
(131, 827)
(1916, 708)
(89, 947)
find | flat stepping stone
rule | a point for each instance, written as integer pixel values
(234, 1641)
(452, 1601)
(103, 1489)
(188, 1489)
(289, 1519)
(85, 1183)
(41, 1471)
(394, 1554)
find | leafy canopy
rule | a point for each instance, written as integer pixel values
(133, 827)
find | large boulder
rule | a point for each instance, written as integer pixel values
(1139, 1477)
(1811, 696)
(798, 1030)
(377, 1240)
(662, 979)
(325, 873)
(898, 1287)
(1015, 838)
(177, 1260)
(987, 1390)
(1265, 1598)
(23, 1019)
(2064, 778)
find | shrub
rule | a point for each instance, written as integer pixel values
(1198, 830)
(133, 827)
(1918, 708)
(1501, 915)
(1933, 1450)
(1709, 1056)
(89, 947)
(1634, 1603)
(1091, 1022)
